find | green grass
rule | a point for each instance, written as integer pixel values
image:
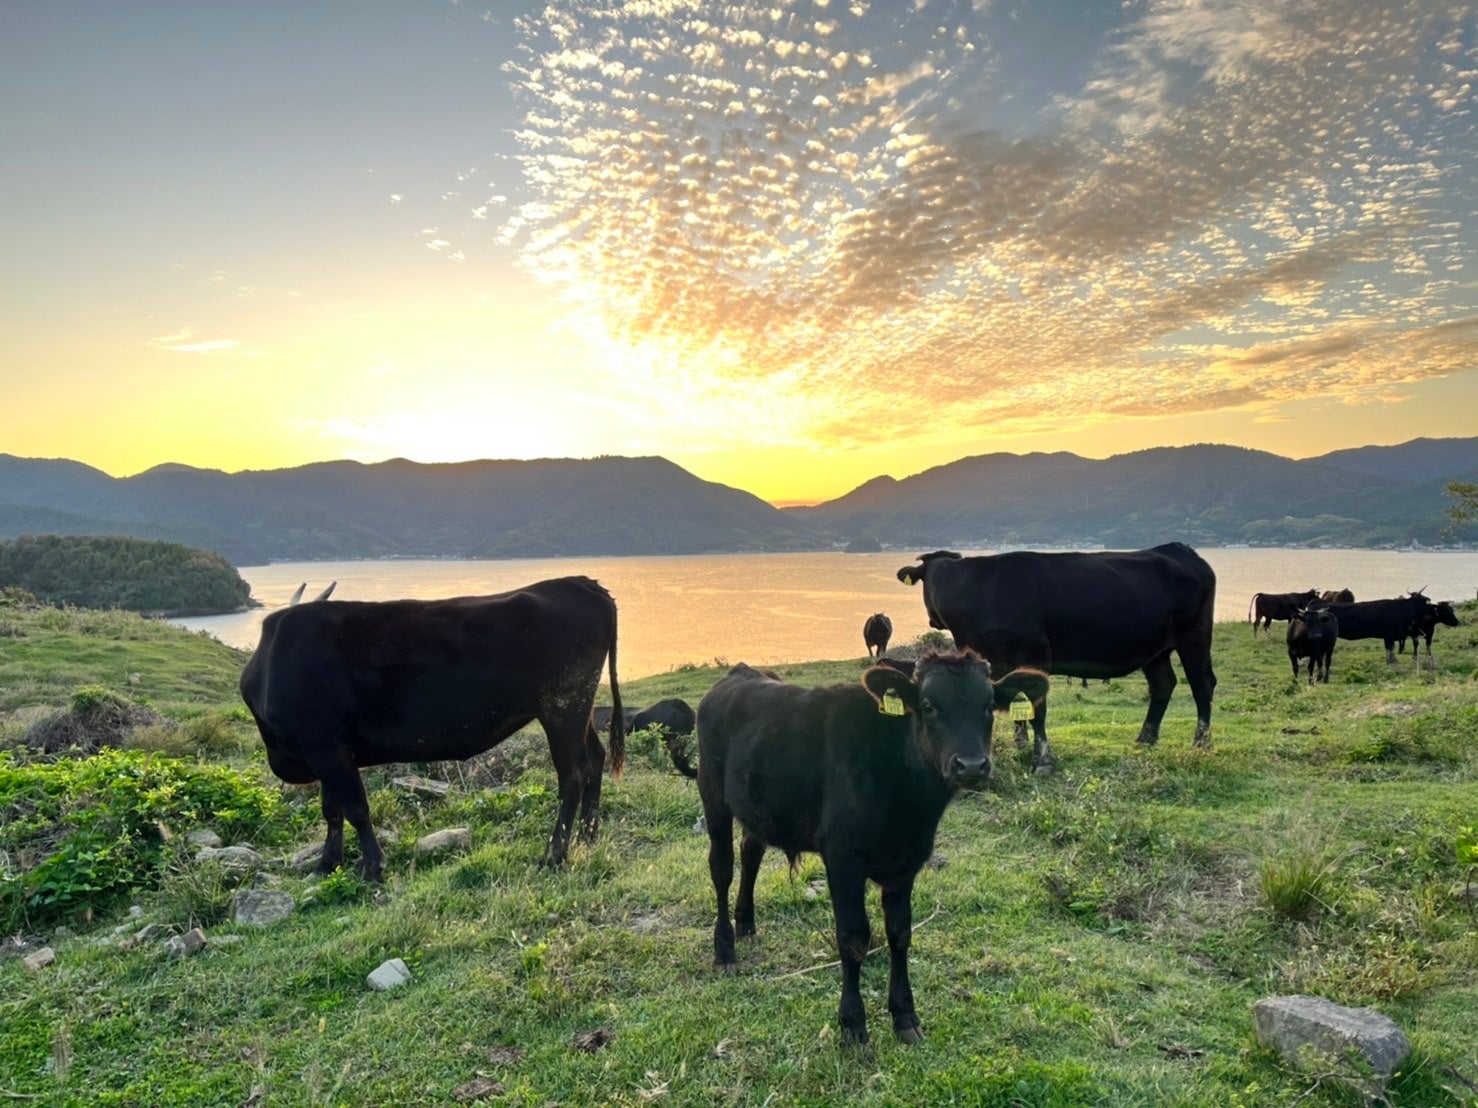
(1097, 936)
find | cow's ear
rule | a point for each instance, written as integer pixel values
(894, 692)
(1033, 682)
(904, 667)
(911, 575)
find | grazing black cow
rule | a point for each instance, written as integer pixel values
(875, 634)
(1311, 634)
(859, 774)
(1268, 606)
(1425, 625)
(676, 719)
(336, 685)
(1387, 620)
(1338, 596)
(601, 718)
(1082, 615)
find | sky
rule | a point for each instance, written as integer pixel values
(788, 245)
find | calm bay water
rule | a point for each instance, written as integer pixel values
(772, 608)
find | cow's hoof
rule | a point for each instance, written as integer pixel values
(854, 1037)
(1044, 767)
(1147, 740)
(909, 1036)
(729, 969)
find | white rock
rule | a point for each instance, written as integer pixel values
(388, 975)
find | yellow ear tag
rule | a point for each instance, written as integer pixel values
(908, 579)
(1021, 709)
(891, 704)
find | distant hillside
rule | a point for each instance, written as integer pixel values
(486, 509)
(1207, 495)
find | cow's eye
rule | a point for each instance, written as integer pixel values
(926, 706)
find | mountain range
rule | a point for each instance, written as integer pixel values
(1204, 495)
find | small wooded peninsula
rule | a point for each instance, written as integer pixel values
(112, 571)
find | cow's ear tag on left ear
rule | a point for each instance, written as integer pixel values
(1021, 709)
(908, 579)
(891, 704)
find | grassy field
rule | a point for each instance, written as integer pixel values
(1097, 936)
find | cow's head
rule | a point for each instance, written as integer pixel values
(1315, 619)
(1444, 613)
(950, 701)
(912, 575)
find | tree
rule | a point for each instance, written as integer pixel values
(1464, 508)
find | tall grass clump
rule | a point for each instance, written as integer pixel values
(1297, 884)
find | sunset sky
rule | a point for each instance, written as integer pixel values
(789, 245)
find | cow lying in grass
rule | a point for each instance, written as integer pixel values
(859, 774)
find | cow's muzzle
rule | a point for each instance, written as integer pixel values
(967, 771)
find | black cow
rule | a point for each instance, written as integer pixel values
(1082, 615)
(601, 718)
(1338, 596)
(1425, 625)
(676, 719)
(1268, 606)
(875, 634)
(1387, 620)
(336, 685)
(859, 774)
(1311, 634)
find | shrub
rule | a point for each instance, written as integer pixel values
(86, 831)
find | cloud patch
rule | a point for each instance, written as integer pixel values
(1233, 204)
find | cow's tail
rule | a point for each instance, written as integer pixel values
(1251, 609)
(677, 751)
(618, 716)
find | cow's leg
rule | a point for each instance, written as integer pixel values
(1161, 677)
(1042, 759)
(1293, 661)
(332, 856)
(595, 761)
(1196, 661)
(751, 853)
(720, 824)
(898, 920)
(343, 795)
(567, 748)
(848, 884)
(1390, 652)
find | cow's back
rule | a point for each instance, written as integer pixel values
(426, 679)
(788, 759)
(1126, 605)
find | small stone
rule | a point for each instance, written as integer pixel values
(261, 907)
(202, 837)
(1311, 1030)
(179, 946)
(389, 975)
(424, 786)
(38, 960)
(136, 911)
(62, 932)
(235, 858)
(450, 838)
(307, 857)
(148, 933)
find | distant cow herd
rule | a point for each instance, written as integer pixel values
(1316, 620)
(859, 773)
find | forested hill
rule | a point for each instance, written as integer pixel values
(484, 509)
(1207, 495)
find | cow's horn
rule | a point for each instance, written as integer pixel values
(297, 595)
(324, 595)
